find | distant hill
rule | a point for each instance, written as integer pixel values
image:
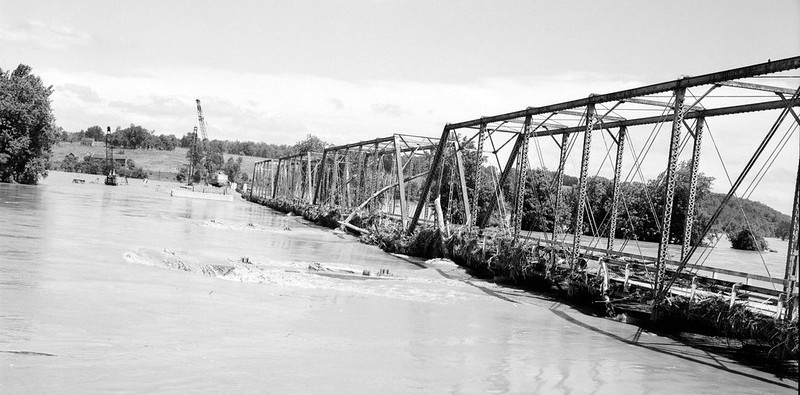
(764, 220)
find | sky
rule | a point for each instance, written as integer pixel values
(350, 70)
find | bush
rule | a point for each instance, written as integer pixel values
(747, 240)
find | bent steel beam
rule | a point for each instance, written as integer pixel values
(426, 187)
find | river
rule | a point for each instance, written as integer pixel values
(108, 290)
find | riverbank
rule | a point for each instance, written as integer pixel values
(753, 337)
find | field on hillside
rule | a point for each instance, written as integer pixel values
(160, 164)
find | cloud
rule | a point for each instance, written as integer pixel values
(39, 34)
(392, 110)
(80, 92)
(283, 108)
(337, 104)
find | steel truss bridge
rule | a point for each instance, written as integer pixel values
(401, 175)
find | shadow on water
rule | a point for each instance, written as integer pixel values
(685, 354)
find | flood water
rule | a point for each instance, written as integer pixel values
(108, 290)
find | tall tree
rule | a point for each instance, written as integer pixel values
(311, 143)
(96, 133)
(27, 131)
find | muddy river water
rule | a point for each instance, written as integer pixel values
(114, 290)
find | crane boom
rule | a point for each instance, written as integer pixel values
(202, 120)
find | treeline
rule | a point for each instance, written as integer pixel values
(639, 214)
(132, 137)
(139, 137)
(94, 165)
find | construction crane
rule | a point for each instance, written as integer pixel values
(202, 120)
(217, 179)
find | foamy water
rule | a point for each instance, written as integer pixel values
(128, 290)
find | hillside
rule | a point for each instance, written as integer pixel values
(764, 220)
(160, 164)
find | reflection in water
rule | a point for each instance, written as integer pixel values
(79, 314)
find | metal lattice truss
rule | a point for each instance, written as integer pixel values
(375, 175)
(684, 104)
(291, 177)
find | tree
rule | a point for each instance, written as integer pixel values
(70, 163)
(310, 144)
(747, 240)
(96, 133)
(783, 229)
(232, 168)
(27, 130)
(683, 177)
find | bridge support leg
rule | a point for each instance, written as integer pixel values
(309, 179)
(672, 164)
(347, 192)
(522, 169)
(376, 158)
(400, 182)
(277, 179)
(462, 180)
(332, 194)
(587, 144)
(557, 191)
(477, 178)
(790, 276)
(320, 177)
(612, 227)
(690, 205)
(426, 187)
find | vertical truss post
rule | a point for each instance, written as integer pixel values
(261, 180)
(587, 145)
(288, 176)
(503, 177)
(309, 178)
(293, 181)
(334, 178)
(253, 181)
(277, 178)
(612, 228)
(672, 164)
(477, 178)
(267, 180)
(463, 182)
(271, 179)
(346, 181)
(375, 178)
(522, 170)
(562, 160)
(364, 185)
(398, 156)
(690, 205)
(320, 176)
(790, 276)
(426, 187)
(731, 193)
